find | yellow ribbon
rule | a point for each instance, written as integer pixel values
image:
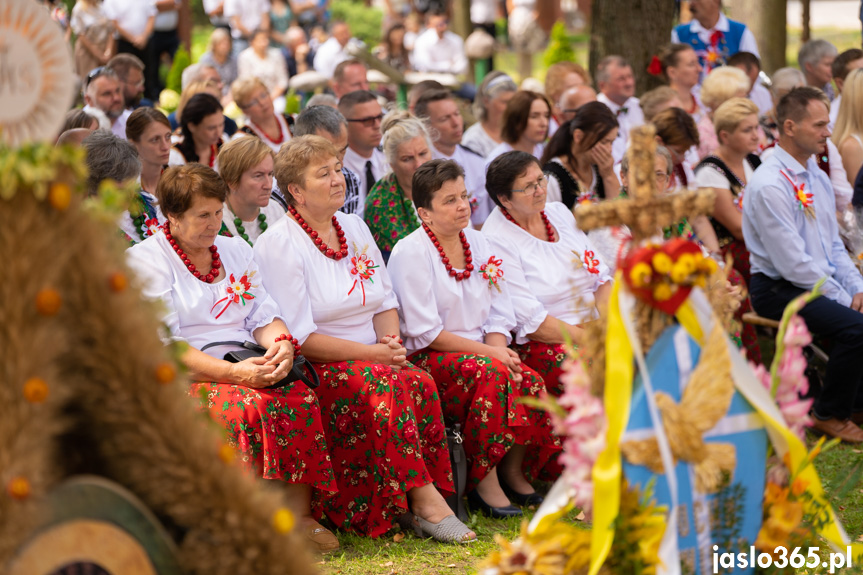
(619, 372)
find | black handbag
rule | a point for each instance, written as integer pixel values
(458, 460)
(301, 370)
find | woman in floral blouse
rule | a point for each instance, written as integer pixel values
(389, 211)
(212, 293)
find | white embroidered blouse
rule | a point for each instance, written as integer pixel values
(321, 295)
(432, 301)
(198, 312)
(545, 278)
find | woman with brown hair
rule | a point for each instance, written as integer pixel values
(525, 125)
(676, 130)
(200, 278)
(202, 126)
(681, 68)
(578, 158)
(149, 131)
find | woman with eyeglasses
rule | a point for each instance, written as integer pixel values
(456, 317)
(253, 98)
(202, 127)
(539, 241)
(578, 160)
(389, 210)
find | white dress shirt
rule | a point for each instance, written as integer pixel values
(834, 111)
(629, 116)
(320, 294)
(330, 55)
(435, 54)
(761, 97)
(357, 164)
(130, 15)
(251, 13)
(541, 276)
(747, 41)
(474, 180)
(432, 301)
(478, 140)
(504, 147)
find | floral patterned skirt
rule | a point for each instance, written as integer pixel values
(386, 436)
(278, 433)
(477, 392)
(545, 359)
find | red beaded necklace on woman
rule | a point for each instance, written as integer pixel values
(325, 249)
(548, 229)
(468, 259)
(217, 263)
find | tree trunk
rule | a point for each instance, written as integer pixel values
(634, 29)
(766, 19)
(806, 35)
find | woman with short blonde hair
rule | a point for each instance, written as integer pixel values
(720, 85)
(246, 165)
(848, 133)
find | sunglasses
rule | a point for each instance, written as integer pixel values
(367, 122)
(94, 73)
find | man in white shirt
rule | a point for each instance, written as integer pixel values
(104, 92)
(616, 84)
(348, 77)
(134, 21)
(758, 93)
(215, 11)
(334, 50)
(714, 37)
(245, 16)
(439, 50)
(363, 157)
(439, 110)
(849, 60)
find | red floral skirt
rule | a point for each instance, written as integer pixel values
(277, 432)
(545, 359)
(739, 258)
(385, 433)
(477, 392)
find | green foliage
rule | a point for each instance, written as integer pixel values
(182, 60)
(365, 22)
(559, 47)
(293, 105)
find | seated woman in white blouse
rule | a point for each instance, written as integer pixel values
(246, 165)
(456, 317)
(211, 289)
(556, 279)
(385, 427)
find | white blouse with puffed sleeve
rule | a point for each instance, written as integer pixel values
(548, 278)
(432, 301)
(198, 312)
(317, 294)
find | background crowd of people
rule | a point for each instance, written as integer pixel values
(425, 266)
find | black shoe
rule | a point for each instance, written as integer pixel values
(475, 502)
(524, 500)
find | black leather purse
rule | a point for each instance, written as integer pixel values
(301, 370)
(458, 460)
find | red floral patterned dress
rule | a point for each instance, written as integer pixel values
(384, 427)
(278, 433)
(476, 391)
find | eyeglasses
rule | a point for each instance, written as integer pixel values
(532, 188)
(256, 102)
(661, 176)
(367, 122)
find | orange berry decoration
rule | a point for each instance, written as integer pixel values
(35, 390)
(165, 373)
(118, 281)
(48, 302)
(60, 195)
(18, 488)
(226, 454)
(283, 520)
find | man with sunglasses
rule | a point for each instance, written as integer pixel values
(363, 157)
(103, 94)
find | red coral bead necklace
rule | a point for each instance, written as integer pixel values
(325, 249)
(548, 229)
(214, 251)
(468, 258)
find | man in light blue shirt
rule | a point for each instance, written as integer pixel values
(789, 225)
